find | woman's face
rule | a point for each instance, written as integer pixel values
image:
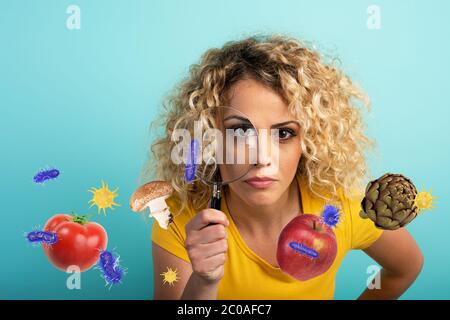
(276, 161)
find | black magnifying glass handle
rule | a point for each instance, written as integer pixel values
(216, 197)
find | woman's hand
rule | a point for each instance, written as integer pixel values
(206, 244)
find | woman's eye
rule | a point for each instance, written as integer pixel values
(284, 134)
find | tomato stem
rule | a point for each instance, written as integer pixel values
(81, 219)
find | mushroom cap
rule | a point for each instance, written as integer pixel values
(148, 192)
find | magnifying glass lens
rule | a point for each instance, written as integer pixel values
(222, 147)
(230, 145)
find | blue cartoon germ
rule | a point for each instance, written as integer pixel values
(39, 236)
(111, 270)
(191, 161)
(330, 215)
(303, 249)
(46, 174)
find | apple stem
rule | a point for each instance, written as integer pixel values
(314, 225)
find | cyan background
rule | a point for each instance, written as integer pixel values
(82, 100)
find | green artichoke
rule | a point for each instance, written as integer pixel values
(390, 201)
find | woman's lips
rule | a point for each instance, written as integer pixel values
(260, 183)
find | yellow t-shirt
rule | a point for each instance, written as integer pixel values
(248, 276)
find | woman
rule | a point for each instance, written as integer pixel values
(231, 254)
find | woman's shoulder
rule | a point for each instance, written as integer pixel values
(181, 211)
(350, 223)
(363, 232)
(347, 201)
(175, 233)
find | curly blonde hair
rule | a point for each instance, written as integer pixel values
(320, 96)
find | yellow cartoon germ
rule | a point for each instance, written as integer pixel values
(103, 198)
(170, 276)
(424, 200)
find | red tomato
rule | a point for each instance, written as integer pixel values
(79, 242)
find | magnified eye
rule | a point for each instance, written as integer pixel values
(239, 132)
(244, 131)
(250, 132)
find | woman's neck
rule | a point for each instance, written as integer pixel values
(258, 220)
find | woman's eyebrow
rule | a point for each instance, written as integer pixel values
(277, 125)
(281, 124)
(237, 117)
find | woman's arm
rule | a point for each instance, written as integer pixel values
(401, 259)
(206, 245)
(192, 286)
(161, 260)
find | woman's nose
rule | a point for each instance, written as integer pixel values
(264, 159)
(266, 149)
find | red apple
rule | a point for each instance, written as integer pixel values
(306, 247)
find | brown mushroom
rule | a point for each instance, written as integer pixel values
(152, 195)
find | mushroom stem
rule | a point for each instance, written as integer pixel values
(163, 217)
(160, 211)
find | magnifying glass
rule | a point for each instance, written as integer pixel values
(224, 152)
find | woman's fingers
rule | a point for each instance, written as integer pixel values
(205, 251)
(214, 262)
(207, 217)
(206, 243)
(209, 234)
